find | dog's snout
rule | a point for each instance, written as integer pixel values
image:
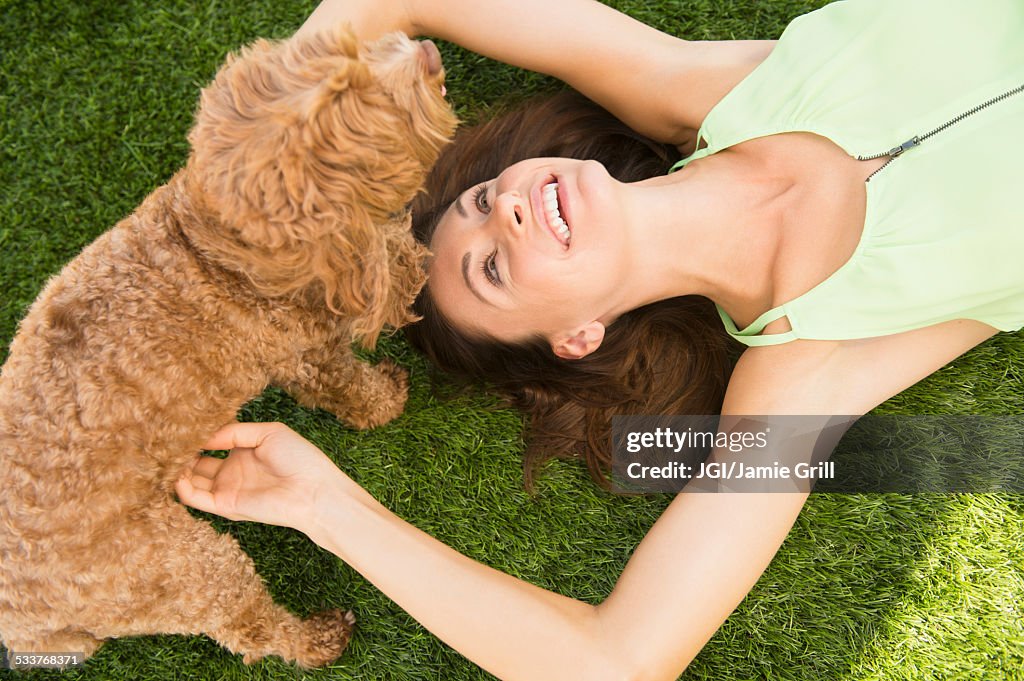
(431, 57)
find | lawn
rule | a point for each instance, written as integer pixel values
(96, 98)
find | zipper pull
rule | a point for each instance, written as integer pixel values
(912, 142)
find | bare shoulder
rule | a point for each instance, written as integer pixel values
(845, 377)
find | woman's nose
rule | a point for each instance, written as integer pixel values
(510, 208)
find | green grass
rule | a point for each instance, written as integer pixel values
(96, 98)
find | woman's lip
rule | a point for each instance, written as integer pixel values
(563, 205)
(539, 213)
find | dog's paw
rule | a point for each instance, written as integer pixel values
(392, 404)
(384, 400)
(399, 378)
(327, 636)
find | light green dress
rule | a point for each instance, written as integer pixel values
(943, 235)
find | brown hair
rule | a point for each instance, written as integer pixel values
(670, 357)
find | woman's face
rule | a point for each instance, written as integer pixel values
(536, 251)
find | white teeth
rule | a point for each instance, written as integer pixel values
(549, 196)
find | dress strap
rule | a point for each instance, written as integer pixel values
(700, 153)
(750, 335)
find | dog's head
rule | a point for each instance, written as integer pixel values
(308, 151)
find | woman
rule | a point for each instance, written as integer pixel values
(570, 404)
(765, 215)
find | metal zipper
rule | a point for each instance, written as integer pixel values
(914, 141)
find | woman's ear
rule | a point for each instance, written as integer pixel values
(579, 344)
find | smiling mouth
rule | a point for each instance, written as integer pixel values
(553, 213)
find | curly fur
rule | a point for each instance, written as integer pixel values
(285, 238)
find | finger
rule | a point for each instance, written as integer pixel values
(241, 435)
(201, 483)
(207, 467)
(192, 496)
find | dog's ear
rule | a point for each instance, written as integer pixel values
(370, 273)
(387, 284)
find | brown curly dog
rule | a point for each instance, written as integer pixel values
(284, 239)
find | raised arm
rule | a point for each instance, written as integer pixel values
(658, 84)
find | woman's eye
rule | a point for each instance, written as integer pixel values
(480, 199)
(490, 269)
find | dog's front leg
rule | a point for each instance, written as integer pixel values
(360, 394)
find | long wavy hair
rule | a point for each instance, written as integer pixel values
(670, 357)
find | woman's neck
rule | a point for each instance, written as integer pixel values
(713, 229)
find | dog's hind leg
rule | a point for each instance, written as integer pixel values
(179, 576)
(358, 393)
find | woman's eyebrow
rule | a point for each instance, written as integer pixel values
(469, 282)
(459, 207)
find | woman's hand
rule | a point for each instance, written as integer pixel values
(272, 475)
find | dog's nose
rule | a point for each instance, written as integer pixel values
(431, 57)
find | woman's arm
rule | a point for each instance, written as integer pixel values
(694, 566)
(658, 84)
(707, 551)
(687, 575)
(690, 571)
